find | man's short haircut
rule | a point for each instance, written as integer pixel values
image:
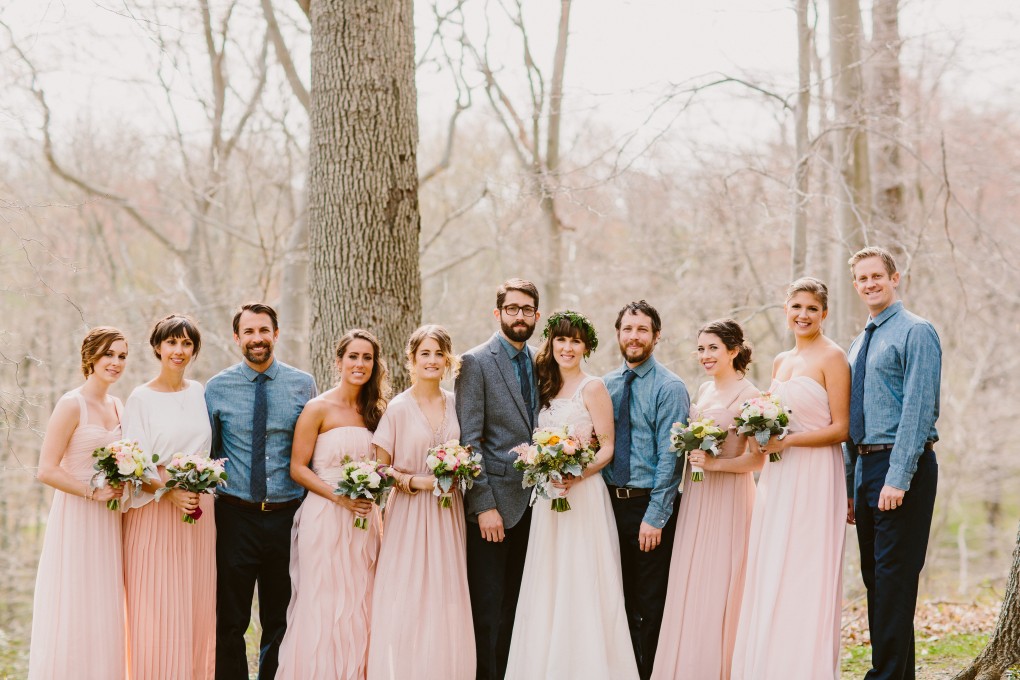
(642, 307)
(255, 308)
(873, 251)
(520, 285)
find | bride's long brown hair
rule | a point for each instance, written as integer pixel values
(560, 325)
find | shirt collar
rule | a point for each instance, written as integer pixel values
(887, 313)
(250, 373)
(644, 368)
(511, 351)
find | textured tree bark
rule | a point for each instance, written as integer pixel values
(890, 210)
(363, 179)
(853, 211)
(798, 240)
(1003, 648)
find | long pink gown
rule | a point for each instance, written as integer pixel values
(790, 616)
(169, 565)
(78, 616)
(706, 572)
(332, 569)
(421, 611)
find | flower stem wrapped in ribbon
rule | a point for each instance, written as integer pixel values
(697, 435)
(553, 454)
(367, 479)
(195, 473)
(122, 463)
(452, 464)
(763, 417)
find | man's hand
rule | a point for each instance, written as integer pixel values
(890, 498)
(490, 523)
(850, 518)
(649, 537)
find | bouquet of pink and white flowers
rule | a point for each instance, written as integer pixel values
(763, 417)
(122, 463)
(195, 473)
(367, 479)
(696, 435)
(452, 464)
(553, 454)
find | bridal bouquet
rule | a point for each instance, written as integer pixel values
(364, 479)
(195, 473)
(697, 435)
(452, 464)
(121, 463)
(763, 417)
(553, 453)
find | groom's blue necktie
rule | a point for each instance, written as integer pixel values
(621, 444)
(258, 441)
(526, 391)
(857, 387)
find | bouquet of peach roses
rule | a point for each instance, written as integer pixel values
(195, 473)
(553, 454)
(452, 464)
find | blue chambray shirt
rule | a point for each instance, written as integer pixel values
(901, 392)
(230, 398)
(512, 352)
(658, 398)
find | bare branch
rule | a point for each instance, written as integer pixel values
(452, 217)
(283, 55)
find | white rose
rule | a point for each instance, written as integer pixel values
(126, 466)
(431, 462)
(771, 412)
(373, 480)
(753, 411)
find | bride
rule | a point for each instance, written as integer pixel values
(571, 621)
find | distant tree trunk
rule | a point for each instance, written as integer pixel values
(798, 240)
(1003, 648)
(853, 210)
(890, 210)
(363, 179)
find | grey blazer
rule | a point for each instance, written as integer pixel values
(493, 419)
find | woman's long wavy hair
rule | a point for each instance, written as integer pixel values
(547, 370)
(374, 394)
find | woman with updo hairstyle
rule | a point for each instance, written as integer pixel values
(421, 614)
(706, 571)
(170, 565)
(78, 612)
(332, 562)
(571, 620)
(790, 616)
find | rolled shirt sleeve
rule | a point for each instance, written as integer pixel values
(922, 374)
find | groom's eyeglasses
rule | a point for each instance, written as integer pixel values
(514, 310)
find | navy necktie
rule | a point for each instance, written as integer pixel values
(621, 448)
(857, 387)
(258, 441)
(526, 391)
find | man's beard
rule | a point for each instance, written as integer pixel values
(645, 351)
(517, 334)
(250, 355)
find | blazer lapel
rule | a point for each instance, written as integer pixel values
(506, 369)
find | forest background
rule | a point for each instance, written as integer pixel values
(156, 157)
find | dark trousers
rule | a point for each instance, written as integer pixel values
(251, 547)
(494, 573)
(893, 544)
(645, 577)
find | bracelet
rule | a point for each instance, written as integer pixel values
(407, 485)
(89, 492)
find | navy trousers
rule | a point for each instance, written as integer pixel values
(893, 545)
(251, 547)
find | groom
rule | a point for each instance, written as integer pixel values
(896, 367)
(643, 477)
(497, 406)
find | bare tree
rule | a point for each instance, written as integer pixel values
(363, 182)
(798, 254)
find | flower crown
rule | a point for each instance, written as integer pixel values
(576, 319)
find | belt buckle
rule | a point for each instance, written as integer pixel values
(622, 493)
(262, 506)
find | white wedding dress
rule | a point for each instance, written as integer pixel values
(571, 622)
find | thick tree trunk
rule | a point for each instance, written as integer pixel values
(890, 211)
(363, 179)
(1003, 649)
(853, 211)
(798, 240)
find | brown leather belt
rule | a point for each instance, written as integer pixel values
(625, 492)
(261, 507)
(866, 449)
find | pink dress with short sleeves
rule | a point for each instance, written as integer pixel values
(421, 611)
(78, 625)
(332, 569)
